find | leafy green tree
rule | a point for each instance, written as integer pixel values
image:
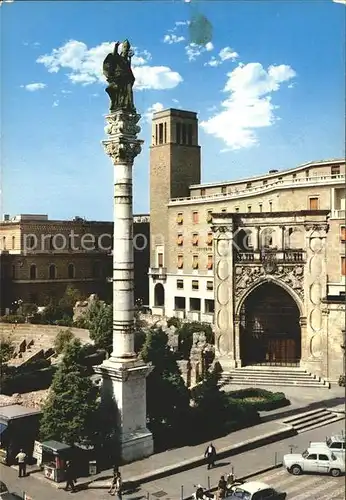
(63, 338)
(70, 297)
(6, 349)
(186, 331)
(168, 399)
(101, 327)
(70, 413)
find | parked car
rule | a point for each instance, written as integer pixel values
(314, 459)
(254, 490)
(6, 495)
(334, 443)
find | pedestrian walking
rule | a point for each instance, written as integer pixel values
(222, 487)
(21, 458)
(117, 484)
(70, 477)
(210, 454)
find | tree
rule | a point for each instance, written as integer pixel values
(186, 331)
(6, 349)
(63, 338)
(70, 297)
(101, 326)
(168, 399)
(70, 412)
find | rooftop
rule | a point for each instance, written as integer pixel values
(12, 412)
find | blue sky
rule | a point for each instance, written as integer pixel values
(268, 87)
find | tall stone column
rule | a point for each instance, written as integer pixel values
(124, 375)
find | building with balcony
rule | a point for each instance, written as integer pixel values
(40, 257)
(262, 258)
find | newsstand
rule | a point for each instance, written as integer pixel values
(19, 428)
(54, 457)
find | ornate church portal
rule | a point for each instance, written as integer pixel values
(269, 328)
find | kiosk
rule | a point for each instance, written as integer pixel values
(54, 457)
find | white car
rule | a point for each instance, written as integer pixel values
(254, 490)
(335, 444)
(315, 459)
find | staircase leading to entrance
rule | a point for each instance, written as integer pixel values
(260, 376)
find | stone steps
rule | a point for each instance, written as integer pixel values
(312, 419)
(260, 376)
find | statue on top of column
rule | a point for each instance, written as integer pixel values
(120, 78)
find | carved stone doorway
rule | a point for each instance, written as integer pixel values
(270, 332)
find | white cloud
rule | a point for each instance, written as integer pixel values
(32, 87)
(340, 1)
(84, 66)
(55, 104)
(193, 50)
(172, 38)
(249, 104)
(5, 1)
(225, 54)
(148, 115)
(66, 91)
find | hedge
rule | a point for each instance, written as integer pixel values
(270, 401)
(12, 318)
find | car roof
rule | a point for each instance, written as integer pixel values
(322, 447)
(253, 486)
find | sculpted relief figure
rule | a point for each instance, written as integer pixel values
(120, 78)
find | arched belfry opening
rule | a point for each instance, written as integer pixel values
(270, 332)
(159, 295)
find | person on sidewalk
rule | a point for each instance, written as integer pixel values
(210, 454)
(21, 458)
(70, 477)
(116, 487)
(222, 488)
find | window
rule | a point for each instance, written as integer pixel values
(180, 262)
(343, 266)
(178, 132)
(195, 285)
(195, 240)
(343, 233)
(165, 132)
(270, 206)
(312, 456)
(180, 218)
(195, 262)
(184, 133)
(336, 446)
(161, 133)
(179, 303)
(13, 272)
(180, 240)
(279, 178)
(335, 171)
(195, 217)
(209, 216)
(180, 284)
(4, 242)
(30, 243)
(189, 134)
(52, 272)
(237, 209)
(294, 176)
(210, 240)
(51, 243)
(33, 272)
(249, 208)
(203, 192)
(307, 173)
(195, 304)
(210, 285)
(210, 262)
(223, 190)
(223, 210)
(313, 203)
(13, 242)
(160, 259)
(323, 457)
(70, 271)
(265, 182)
(209, 306)
(248, 185)
(260, 206)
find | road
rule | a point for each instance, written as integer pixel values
(170, 488)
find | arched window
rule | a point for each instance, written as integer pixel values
(71, 271)
(4, 242)
(33, 272)
(13, 242)
(52, 272)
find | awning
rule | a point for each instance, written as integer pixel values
(3, 427)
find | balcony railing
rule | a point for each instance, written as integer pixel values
(158, 272)
(338, 214)
(279, 256)
(271, 186)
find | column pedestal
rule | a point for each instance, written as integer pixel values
(125, 382)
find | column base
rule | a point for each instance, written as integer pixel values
(124, 383)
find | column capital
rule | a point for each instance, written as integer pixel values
(122, 144)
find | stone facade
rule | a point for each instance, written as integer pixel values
(31, 244)
(200, 274)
